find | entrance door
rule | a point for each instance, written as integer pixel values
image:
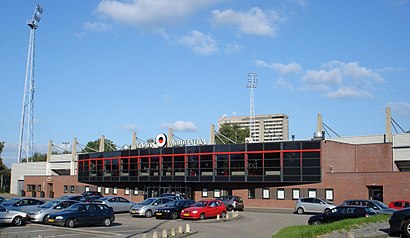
(376, 193)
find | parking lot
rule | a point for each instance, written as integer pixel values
(249, 224)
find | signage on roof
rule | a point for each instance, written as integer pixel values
(161, 140)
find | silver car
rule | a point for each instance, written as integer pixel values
(378, 206)
(314, 205)
(12, 217)
(21, 204)
(148, 206)
(41, 213)
(118, 204)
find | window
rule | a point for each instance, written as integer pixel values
(115, 190)
(329, 194)
(204, 192)
(87, 188)
(99, 189)
(295, 193)
(71, 189)
(31, 187)
(251, 193)
(266, 193)
(135, 191)
(65, 189)
(106, 190)
(280, 194)
(312, 193)
(127, 191)
(217, 193)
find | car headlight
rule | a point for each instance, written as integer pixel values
(59, 217)
(166, 211)
(195, 212)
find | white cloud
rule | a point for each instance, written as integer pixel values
(281, 68)
(183, 126)
(255, 21)
(199, 43)
(96, 26)
(337, 79)
(400, 108)
(282, 83)
(233, 48)
(149, 13)
(129, 127)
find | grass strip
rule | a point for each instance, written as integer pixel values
(307, 231)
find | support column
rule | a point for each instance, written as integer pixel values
(319, 127)
(212, 135)
(49, 153)
(101, 146)
(170, 137)
(73, 164)
(134, 141)
(389, 136)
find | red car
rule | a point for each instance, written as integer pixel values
(399, 204)
(204, 209)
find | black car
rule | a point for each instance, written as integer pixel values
(71, 197)
(91, 193)
(90, 198)
(172, 209)
(83, 214)
(340, 213)
(400, 222)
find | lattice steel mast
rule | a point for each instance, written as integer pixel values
(252, 84)
(27, 114)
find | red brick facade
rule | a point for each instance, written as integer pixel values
(348, 171)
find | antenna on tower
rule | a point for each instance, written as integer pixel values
(27, 114)
(252, 84)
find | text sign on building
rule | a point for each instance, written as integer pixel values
(161, 140)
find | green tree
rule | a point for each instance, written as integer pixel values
(233, 132)
(4, 173)
(93, 146)
(37, 157)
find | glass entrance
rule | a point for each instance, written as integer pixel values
(156, 190)
(376, 193)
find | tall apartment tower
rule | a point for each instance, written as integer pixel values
(267, 128)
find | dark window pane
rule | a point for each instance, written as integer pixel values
(192, 149)
(291, 145)
(311, 145)
(206, 148)
(272, 146)
(144, 152)
(237, 147)
(155, 151)
(179, 150)
(310, 162)
(254, 147)
(167, 150)
(221, 148)
(315, 155)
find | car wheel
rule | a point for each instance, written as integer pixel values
(223, 214)
(230, 208)
(70, 223)
(406, 229)
(174, 215)
(316, 223)
(148, 213)
(45, 219)
(300, 211)
(327, 210)
(107, 221)
(18, 221)
(202, 216)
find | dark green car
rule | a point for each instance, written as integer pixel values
(83, 214)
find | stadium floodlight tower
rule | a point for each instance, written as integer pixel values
(252, 84)
(27, 114)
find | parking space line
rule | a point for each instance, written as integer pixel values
(79, 230)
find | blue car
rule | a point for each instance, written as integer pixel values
(83, 214)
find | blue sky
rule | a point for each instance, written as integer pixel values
(106, 67)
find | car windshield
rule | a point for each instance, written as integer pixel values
(381, 205)
(49, 204)
(224, 198)
(11, 201)
(148, 201)
(200, 204)
(103, 198)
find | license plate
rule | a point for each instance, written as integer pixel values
(159, 214)
(50, 220)
(185, 215)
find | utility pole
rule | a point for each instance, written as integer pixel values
(252, 84)
(27, 114)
